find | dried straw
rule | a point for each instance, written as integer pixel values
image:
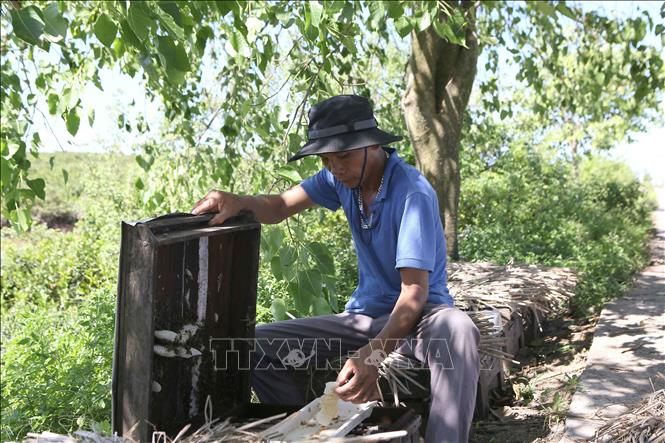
(481, 288)
(644, 423)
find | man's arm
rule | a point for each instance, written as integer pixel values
(268, 209)
(356, 381)
(407, 310)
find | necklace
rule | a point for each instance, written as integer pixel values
(364, 223)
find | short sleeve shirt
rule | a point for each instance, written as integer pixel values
(406, 232)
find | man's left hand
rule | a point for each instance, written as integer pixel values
(356, 381)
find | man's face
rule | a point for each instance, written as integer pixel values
(346, 166)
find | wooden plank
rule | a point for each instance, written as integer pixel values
(196, 233)
(168, 408)
(134, 353)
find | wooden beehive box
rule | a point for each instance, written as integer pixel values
(178, 274)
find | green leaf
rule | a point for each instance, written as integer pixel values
(37, 185)
(139, 21)
(128, 36)
(290, 174)
(452, 29)
(40, 81)
(65, 175)
(23, 219)
(278, 309)
(302, 298)
(172, 55)
(202, 36)
(394, 9)
(167, 23)
(105, 30)
(172, 9)
(138, 184)
(316, 12)
(310, 282)
(276, 267)
(13, 81)
(73, 121)
(226, 6)
(119, 47)
(5, 172)
(377, 15)
(145, 164)
(91, 117)
(53, 100)
(19, 153)
(287, 260)
(544, 7)
(56, 24)
(565, 10)
(600, 78)
(28, 24)
(275, 238)
(324, 260)
(36, 139)
(321, 306)
(403, 26)
(174, 75)
(237, 44)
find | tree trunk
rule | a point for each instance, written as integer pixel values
(440, 78)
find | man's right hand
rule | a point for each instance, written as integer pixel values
(225, 204)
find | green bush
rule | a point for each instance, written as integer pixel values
(532, 206)
(48, 266)
(56, 366)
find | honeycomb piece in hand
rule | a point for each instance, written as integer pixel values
(328, 405)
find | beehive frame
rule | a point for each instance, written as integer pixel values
(192, 284)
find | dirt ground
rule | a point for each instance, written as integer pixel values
(533, 406)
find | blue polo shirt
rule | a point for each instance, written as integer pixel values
(406, 233)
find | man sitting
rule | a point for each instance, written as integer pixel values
(401, 302)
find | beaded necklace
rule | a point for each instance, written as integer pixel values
(364, 223)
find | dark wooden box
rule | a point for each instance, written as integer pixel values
(178, 274)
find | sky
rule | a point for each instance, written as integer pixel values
(122, 93)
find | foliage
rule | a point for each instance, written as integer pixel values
(53, 267)
(529, 205)
(592, 80)
(54, 49)
(56, 365)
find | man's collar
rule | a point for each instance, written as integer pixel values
(393, 159)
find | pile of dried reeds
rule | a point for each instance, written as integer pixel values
(484, 289)
(478, 286)
(644, 423)
(212, 431)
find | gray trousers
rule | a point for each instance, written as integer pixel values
(445, 339)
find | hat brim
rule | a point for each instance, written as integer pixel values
(346, 142)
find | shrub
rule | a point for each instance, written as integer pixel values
(56, 365)
(531, 206)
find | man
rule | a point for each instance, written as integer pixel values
(401, 302)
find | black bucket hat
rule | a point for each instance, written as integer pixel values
(342, 123)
